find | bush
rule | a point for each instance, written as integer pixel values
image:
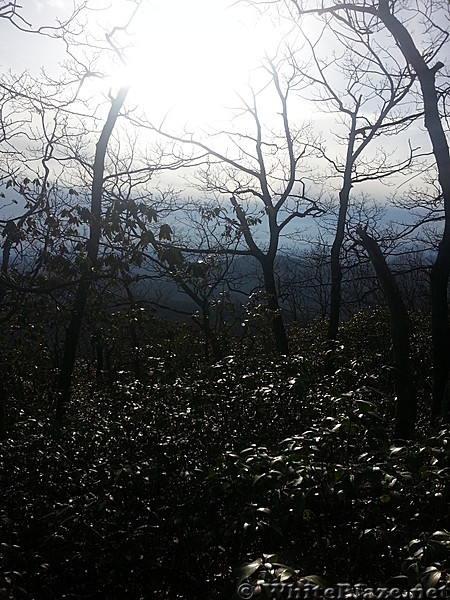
(162, 486)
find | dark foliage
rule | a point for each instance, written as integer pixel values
(162, 487)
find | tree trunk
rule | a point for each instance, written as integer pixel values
(441, 268)
(279, 331)
(335, 264)
(3, 426)
(336, 271)
(134, 334)
(336, 292)
(209, 337)
(5, 264)
(70, 346)
(336, 280)
(202, 301)
(74, 328)
(401, 328)
(440, 330)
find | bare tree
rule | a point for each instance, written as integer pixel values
(369, 99)
(401, 329)
(259, 172)
(20, 104)
(305, 281)
(375, 18)
(13, 12)
(74, 328)
(27, 184)
(102, 198)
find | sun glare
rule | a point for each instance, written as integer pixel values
(191, 57)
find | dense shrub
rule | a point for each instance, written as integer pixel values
(163, 486)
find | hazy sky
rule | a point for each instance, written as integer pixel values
(193, 54)
(190, 58)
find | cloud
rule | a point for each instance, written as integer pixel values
(43, 5)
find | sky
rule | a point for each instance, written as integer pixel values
(188, 61)
(189, 58)
(188, 55)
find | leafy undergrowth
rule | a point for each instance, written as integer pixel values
(163, 489)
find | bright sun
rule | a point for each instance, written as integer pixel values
(192, 56)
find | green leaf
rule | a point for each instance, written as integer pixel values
(85, 214)
(441, 536)
(397, 450)
(272, 558)
(265, 511)
(165, 232)
(147, 238)
(284, 573)
(414, 545)
(257, 478)
(430, 577)
(364, 406)
(172, 256)
(247, 570)
(152, 215)
(316, 580)
(297, 481)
